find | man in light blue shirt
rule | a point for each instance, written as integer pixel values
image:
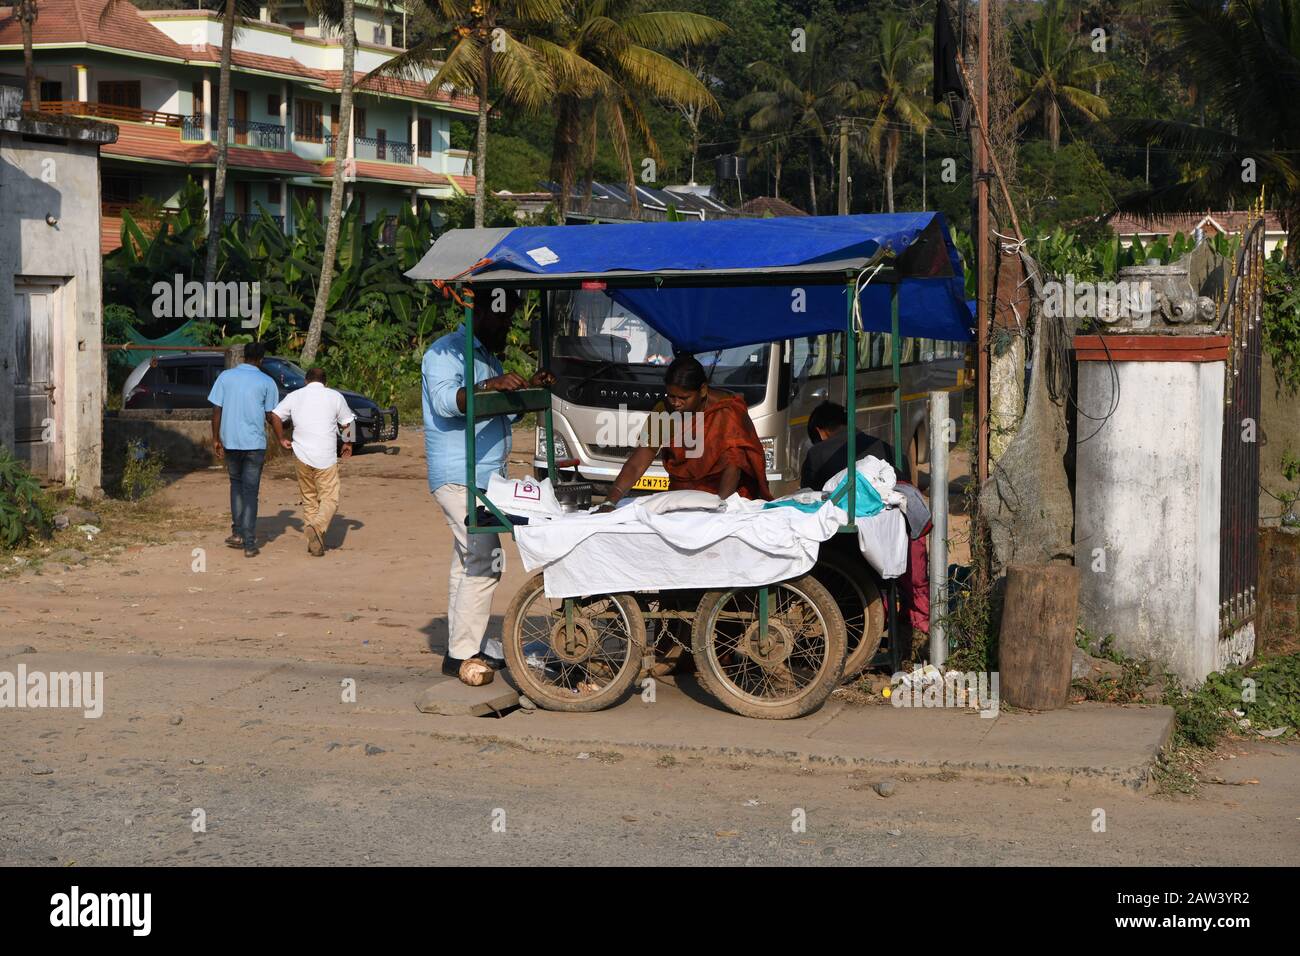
(244, 397)
(475, 563)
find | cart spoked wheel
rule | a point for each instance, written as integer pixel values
(786, 670)
(854, 589)
(584, 658)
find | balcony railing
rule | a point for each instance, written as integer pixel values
(243, 132)
(369, 148)
(109, 111)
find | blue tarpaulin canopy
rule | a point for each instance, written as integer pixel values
(730, 282)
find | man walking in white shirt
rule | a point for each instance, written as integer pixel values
(317, 413)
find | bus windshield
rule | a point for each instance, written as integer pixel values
(596, 339)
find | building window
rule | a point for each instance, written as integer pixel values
(196, 92)
(51, 91)
(381, 35)
(307, 121)
(119, 190)
(273, 105)
(120, 93)
(359, 117)
(273, 193)
(424, 128)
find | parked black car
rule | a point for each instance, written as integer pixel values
(184, 381)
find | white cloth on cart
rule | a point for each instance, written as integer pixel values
(634, 549)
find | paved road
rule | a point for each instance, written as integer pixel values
(277, 784)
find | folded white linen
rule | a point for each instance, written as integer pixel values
(666, 502)
(746, 546)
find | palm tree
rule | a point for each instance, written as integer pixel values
(620, 41)
(25, 11)
(490, 45)
(340, 14)
(800, 97)
(1057, 69)
(895, 99)
(217, 206)
(1247, 55)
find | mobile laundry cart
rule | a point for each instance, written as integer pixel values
(772, 650)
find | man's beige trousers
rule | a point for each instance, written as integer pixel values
(319, 488)
(476, 564)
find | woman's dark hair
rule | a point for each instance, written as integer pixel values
(685, 371)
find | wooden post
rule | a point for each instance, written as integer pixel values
(1036, 642)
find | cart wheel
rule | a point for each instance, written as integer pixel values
(787, 673)
(853, 587)
(589, 667)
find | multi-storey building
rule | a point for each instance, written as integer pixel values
(155, 73)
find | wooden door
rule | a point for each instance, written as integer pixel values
(36, 431)
(241, 117)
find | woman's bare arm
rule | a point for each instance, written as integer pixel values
(729, 482)
(631, 473)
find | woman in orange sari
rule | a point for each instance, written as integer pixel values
(711, 446)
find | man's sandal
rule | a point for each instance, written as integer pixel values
(476, 673)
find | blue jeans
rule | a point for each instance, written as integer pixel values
(245, 470)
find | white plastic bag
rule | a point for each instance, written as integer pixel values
(527, 497)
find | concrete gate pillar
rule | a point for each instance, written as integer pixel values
(1153, 391)
(1147, 495)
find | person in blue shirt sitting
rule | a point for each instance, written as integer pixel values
(476, 560)
(243, 397)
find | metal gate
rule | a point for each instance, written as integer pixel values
(1239, 507)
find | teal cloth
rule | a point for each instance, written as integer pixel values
(866, 504)
(186, 335)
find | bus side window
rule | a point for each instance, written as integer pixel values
(835, 355)
(881, 350)
(865, 342)
(908, 355)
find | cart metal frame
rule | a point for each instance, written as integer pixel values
(485, 405)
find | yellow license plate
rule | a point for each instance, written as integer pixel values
(652, 483)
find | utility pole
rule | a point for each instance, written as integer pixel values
(982, 258)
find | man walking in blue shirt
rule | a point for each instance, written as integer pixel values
(244, 397)
(475, 562)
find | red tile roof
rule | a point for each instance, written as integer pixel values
(467, 184)
(1186, 222)
(390, 172)
(79, 21)
(762, 205)
(397, 86)
(164, 144)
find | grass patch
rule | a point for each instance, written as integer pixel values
(1238, 702)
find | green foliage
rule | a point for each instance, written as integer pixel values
(1265, 693)
(141, 471)
(366, 349)
(1281, 321)
(25, 511)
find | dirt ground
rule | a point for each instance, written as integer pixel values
(159, 582)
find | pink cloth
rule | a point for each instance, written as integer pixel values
(914, 586)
